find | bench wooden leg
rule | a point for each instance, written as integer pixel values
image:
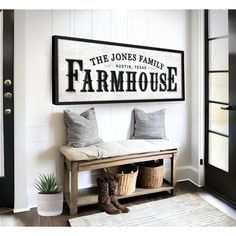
(73, 189)
(66, 180)
(173, 177)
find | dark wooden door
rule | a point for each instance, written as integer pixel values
(220, 102)
(7, 110)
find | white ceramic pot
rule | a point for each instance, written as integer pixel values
(49, 204)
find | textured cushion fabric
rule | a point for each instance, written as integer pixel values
(82, 129)
(149, 125)
(118, 148)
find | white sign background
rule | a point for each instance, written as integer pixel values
(86, 50)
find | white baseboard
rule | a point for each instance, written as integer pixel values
(188, 173)
(22, 210)
(182, 180)
(184, 173)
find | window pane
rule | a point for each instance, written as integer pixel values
(218, 151)
(218, 54)
(218, 23)
(218, 87)
(218, 119)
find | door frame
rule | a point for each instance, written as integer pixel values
(7, 181)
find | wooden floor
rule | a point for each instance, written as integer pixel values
(31, 218)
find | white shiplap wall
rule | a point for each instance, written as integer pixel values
(44, 126)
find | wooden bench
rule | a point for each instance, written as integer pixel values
(75, 198)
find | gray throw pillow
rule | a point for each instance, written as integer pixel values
(149, 125)
(82, 129)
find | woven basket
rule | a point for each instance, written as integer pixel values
(127, 175)
(151, 174)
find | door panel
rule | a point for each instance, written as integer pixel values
(1, 100)
(219, 87)
(218, 23)
(218, 151)
(218, 54)
(7, 110)
(232, 94)
(220, 102)
(218, 119)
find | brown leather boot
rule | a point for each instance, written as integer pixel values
(113, 191)
(104, 203)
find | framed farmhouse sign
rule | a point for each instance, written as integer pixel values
(91, 71)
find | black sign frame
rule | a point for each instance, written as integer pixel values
(55, 67)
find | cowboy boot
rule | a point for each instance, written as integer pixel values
(113, 191)
(104, 203)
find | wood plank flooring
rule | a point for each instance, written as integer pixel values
(31, 218)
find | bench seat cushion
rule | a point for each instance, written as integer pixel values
(117, 148)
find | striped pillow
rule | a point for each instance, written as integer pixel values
(149, 125)
(82, 129)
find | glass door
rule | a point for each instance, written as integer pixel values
(220, 101)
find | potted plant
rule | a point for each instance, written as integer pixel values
(50, 196)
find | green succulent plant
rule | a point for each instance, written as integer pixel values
(47, 184)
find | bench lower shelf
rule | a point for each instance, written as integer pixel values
(89, 196)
